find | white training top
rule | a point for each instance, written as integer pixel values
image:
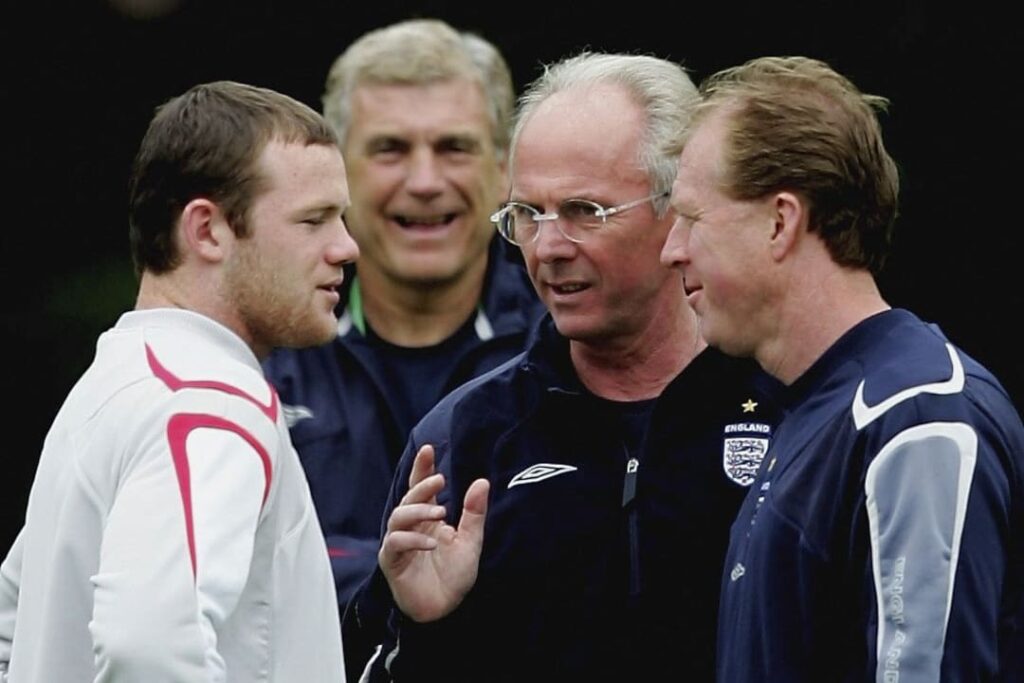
(170, 534)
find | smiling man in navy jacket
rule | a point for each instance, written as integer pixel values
(422, 112)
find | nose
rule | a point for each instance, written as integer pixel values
(675, 253)
(342, 248)
(551, 243)
(425, 179)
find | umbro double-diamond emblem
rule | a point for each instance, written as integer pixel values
(539, 472)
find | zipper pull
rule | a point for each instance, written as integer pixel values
(629, 485)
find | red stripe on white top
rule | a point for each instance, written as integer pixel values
(178, 429)
(174, 383)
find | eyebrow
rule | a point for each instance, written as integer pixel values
(380, 138)
(322, 208)
(524, 202)
(469, 138)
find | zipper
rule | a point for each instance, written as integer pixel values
(632, 523)
(629, 483)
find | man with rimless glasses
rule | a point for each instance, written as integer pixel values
(565, 516)
(520, 223)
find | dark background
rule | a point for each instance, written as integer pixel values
(83, 77)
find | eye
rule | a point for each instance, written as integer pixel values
(582, 212)
(386, 146)
(522, 213)
(458, 144)
(320, 216)
(686, 218)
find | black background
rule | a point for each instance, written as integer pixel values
(83, 77)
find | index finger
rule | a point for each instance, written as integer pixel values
(422, 465)
(424, 492)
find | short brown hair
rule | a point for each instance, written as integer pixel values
(206, 143)
(796, 124)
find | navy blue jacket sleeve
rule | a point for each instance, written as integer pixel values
(373, 623)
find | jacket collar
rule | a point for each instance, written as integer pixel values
(506, 306)
(548, 357)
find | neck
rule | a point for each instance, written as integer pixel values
(641, 366)
(415, 314)
(828, 306)
(188, 290)
(163, 291)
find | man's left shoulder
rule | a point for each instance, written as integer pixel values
(925, 377)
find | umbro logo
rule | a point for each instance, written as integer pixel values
(539, 472)
(863, 414)
(292, 414)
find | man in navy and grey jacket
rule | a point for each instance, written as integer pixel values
(422, 112)
(577, 522)
(883, 539)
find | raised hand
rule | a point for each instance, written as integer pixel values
(430, 565)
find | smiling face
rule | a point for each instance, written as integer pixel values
(583, 144)
(282, 277)
(721, 245)
(424, 176)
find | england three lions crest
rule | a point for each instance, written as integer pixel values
(743, 449)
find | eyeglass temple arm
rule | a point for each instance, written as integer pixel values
(636, 202)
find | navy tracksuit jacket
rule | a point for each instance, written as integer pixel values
(602, 557)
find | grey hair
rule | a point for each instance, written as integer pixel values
(662, 89)
(419, 52)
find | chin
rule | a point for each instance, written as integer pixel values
(324, 332)
(430, 275)
(578, 330)
(708, 332)
(733, 345)
(314, 333)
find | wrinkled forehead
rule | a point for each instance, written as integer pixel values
(582, 133)
(448, 101)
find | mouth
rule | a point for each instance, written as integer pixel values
(692, 292)
(333, 284)
(693, 297)
(331, 288)
(567, 288)
(432, 222)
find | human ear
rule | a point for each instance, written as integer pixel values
(204, 230)
(789, 218)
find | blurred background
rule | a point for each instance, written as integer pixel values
(84, 76)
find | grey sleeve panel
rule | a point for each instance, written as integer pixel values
(917, 489)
